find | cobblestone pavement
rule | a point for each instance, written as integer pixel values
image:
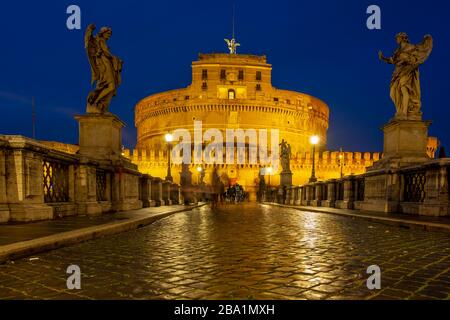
(16, 232)
(242, 252)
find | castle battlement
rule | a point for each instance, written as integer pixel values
(326, 158)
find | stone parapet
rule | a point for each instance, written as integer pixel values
(418, 190)
(166, 185)
(146, 191)
(175, 193)
(44, 182)
(157, 191)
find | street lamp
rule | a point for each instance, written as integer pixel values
(199, 170)
(269, 171)
(169, 139)
(314, 140)
(341, 162)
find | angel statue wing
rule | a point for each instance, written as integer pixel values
(90, 44)
(229, 45)
(424, 49)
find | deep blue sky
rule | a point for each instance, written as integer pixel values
(319, 47)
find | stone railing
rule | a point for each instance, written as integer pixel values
(157, 192)
(420, 190)
(38, 182)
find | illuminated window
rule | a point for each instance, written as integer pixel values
(258, 76)
(241, 75)
(204, 74)
(231, 94)
(223, 74)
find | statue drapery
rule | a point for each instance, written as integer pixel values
(285, 156)
(106, 70)
(405, 85)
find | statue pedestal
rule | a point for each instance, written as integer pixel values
(405, 144)
(186, 184)
(100, 139)
(286, 178)
(100, 136)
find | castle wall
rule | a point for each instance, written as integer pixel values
(328, 166)
(231, 92)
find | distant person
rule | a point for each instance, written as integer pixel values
(221, 192)
(215, 188)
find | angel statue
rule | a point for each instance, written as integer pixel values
(105, 68)
(405, 84)
(285, 156)
(232, 45)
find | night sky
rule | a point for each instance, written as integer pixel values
(319, 47)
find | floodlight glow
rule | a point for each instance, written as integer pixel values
(169, 137)
(314, 140)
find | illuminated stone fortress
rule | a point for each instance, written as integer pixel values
(235, 91)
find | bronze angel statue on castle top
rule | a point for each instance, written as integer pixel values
(405, 84)
(106, 69)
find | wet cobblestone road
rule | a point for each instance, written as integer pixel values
(245, 251)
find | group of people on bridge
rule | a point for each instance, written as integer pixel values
(233, 194)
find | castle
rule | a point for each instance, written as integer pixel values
(234, 91)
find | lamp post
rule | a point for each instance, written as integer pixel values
(169, 138)
(199, 170)
(314, 140)
(269, 171)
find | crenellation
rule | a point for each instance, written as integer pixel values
(376, 156)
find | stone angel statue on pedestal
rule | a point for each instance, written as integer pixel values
(405, 84)
(106, 69)
(285, 156)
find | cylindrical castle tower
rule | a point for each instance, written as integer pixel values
(230, 91)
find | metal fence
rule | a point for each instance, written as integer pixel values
(415, 182)
(340, 190)
(55, 181)
(101, 185)
(324, 191)
(360, 189)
